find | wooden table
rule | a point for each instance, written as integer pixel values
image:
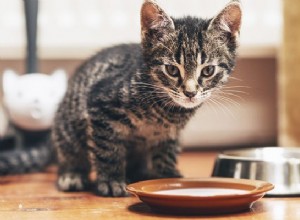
(35, 197)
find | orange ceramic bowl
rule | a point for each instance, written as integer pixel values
(200, 196)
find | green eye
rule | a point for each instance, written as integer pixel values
(172, 70)
(208, 71)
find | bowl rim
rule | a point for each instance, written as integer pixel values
(259, 187)
(227, 154)
(197, 204)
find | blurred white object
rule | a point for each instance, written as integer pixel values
(31, 100)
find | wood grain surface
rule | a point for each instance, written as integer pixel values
(35, 197)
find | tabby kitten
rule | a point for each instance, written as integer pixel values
(125, 107)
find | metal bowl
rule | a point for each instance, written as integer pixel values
(277, 165)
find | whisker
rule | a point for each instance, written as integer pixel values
(236, 91)
(230, 87)
(210, 104)
(218, 105)
(226, 108)
(235, 78)
(229, 101)
(229, 94)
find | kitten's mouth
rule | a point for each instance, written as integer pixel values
(186, 102)
(189, 102)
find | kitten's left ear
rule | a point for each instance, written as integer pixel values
(154, 18)
(229, 19)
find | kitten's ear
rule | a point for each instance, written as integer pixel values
(154, 18)
(229, 19)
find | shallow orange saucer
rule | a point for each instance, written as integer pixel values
(201, 196)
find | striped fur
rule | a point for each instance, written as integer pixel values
(123, 112)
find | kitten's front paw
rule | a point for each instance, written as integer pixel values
(111, 188)
(71, 182)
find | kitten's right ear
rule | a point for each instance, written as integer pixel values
(154, 18)
(229, 19)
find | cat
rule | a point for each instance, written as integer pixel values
(125, 106)
(30, 102)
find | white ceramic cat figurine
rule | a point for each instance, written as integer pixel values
(31, 100)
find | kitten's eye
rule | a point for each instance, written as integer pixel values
(208, 71)
(172, 70)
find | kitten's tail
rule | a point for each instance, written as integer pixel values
(26, 160)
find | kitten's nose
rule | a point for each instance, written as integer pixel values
(190, 88)
(190, 94)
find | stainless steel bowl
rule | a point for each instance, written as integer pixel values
(277, 165)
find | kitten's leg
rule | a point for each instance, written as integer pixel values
(139, 164)
(164, 159)
(72, 177)
(159, 163)
(108, 156)
(73, 164)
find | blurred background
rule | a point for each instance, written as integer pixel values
(69, 31)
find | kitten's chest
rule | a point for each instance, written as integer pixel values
(147, 131)
(154, 133)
